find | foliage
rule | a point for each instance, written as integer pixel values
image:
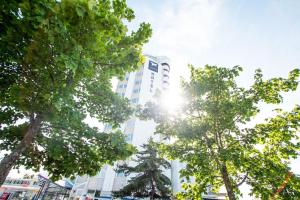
(57, 59)
(148, 180)
(214, 137)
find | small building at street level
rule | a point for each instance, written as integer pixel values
(40, 188)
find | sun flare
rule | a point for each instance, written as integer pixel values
(172, 101)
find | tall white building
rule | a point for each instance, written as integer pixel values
(140, 87)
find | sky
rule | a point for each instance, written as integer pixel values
(253, 34)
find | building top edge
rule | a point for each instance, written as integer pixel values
(158, 58)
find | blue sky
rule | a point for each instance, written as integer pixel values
(251, 33)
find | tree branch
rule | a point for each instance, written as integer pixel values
(243, 180)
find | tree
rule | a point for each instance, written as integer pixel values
(214, 138)
(149, 180)
(57, 60)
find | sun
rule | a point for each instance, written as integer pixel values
(172, 100)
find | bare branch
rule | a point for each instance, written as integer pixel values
(243, 180)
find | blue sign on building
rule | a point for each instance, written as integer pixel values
(153, 66)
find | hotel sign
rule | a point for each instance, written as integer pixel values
(153, 66)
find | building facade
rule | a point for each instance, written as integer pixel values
(37, 188)
(139, 87)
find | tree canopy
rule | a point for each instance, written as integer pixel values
(148, 179)
(57, 60)
(219, 146)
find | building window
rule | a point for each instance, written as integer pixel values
(135, 100)
(122, 85)
(120, 174)
(129, 138)
(91, 193)
(130, 123)
(166, 64)
(136, 91)
(108, 127)
(97, 193)
(138, 82)
(123, 94)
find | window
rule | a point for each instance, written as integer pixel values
(108, 127)
(136, 91)
(166, 75)
(122, 85)
(130, 123)
(135, 100)
(166, 64)
(120, 174)
(138, 82)
(97, 193)
(123, 94)
(129, 138)
(91, 193)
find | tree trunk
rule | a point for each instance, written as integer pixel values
(9, 161)
(227, 183)
(152, 189)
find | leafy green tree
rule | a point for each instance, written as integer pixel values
(148, 180)
(57, 60)
(214, 138)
